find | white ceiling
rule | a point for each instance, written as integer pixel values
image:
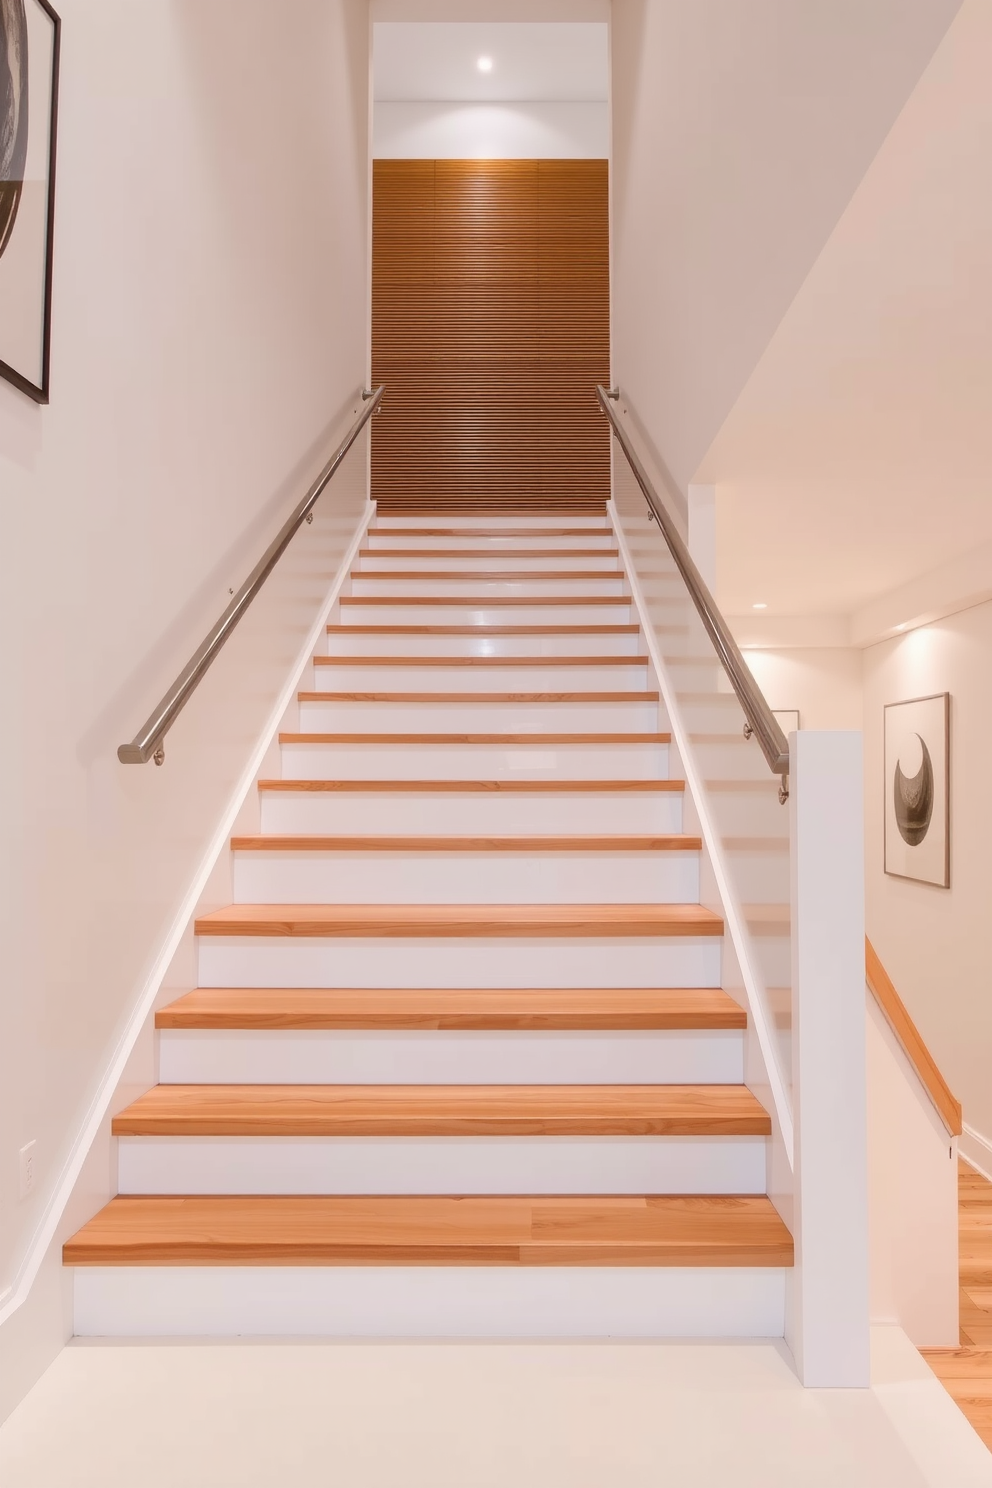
(534, 61)
(859, 454)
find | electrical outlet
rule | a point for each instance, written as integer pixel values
(27, 1155)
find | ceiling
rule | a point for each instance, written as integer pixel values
(859, 454)
(533, 61)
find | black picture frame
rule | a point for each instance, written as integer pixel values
(40, 392)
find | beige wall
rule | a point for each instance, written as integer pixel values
(935, 943)
(739, 134)
(209, 338)
(824, 683)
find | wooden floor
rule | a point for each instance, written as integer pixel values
(966, 1372)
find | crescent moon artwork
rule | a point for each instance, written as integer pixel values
(29, 87)
(914, 799)
(917, 795)
(13, 112)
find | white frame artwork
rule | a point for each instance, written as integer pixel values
(917, 790)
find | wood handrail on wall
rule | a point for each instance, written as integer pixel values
(916, 1051)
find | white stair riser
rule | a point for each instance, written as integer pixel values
(535, 761)
(428, 1302)
(508, 678)
(383, 562)
(385, 542)
(346, 641)
(441, 1165)
(518, 613)
(470, 716)
(466, 878)
(467, 522)
(431, 1057)
(475, 811)
(481, 588)
(291, 961)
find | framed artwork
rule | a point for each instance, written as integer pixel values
(788, 719)
(917, 790)
(29, 78)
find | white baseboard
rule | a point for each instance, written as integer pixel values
(976, 1150)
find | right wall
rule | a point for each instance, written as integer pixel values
(936, 944)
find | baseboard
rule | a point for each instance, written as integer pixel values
(976, 1150)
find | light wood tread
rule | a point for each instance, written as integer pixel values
(480, 661)
(532, 740)
(487, 575)
(484, 630)
(454, 921)
(521, 1009)
(489, 532)
(605, 842)
(475, 787)
(443, 1111)
(562, 1230)
(641, 696)
(495, 553)
(486, 602)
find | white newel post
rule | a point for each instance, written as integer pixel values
(828, 1327)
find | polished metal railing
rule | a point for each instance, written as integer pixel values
(149, 742)
(761, 721)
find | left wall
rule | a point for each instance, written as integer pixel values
(209, 339)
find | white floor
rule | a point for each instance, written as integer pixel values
(376, 1415)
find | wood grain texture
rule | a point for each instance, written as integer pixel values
(490, 329)
(515, 1009)
(487, 575)
(476, 787)
(487, 602)
(590, 842)
(454, 921)
(474, 532)
(443, 1111)
(909, 1037)
(467, 698)
(480, 661)
(509, 554)
(535, 740)
(326, 1230)
(483, 631)
(966, 1372)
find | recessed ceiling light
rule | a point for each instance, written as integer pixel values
(759, 607)
(485, 64)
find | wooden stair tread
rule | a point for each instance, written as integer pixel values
(641, 696)
(500, 575)
(486, 602)
(534, 740)
(481, 787)
(456, 531)
(484, 630)
(443, 1111)
(633, 1230)
(481, 661)
(467, 1008)
(607, 842)
(368, 552)
(416, 921)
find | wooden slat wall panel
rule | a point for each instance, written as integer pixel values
(490, 327)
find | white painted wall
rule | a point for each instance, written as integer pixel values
(823, 682)
(912, 1197)
(209, 339)
(490, 131)
(935, 942)
(739, 135)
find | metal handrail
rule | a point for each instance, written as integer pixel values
(148, 742)
(761, 721)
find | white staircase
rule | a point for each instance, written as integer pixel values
(459, 1061)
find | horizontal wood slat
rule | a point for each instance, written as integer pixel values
(462, 921)
(421, 843)
(490, 329)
